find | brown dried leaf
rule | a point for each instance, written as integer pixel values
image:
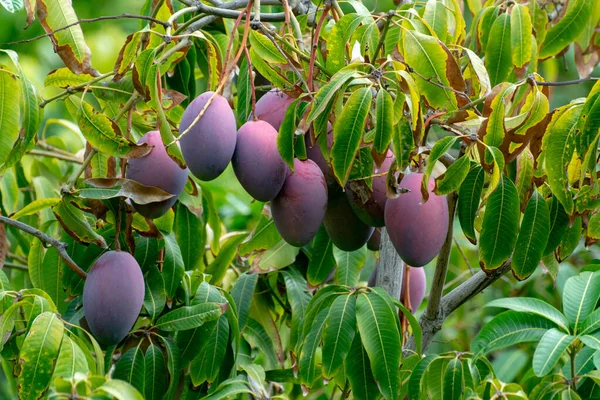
(138, 193)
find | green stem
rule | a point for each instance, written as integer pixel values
(72, 89)
(81, 169)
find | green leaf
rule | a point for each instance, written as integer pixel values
(569, 27)
(265, 69)
(263, 341)
(38, 354)
(243, 293)
(35, 206)
(101, 132)
(298, 297)
(263, 237)
(9, 113)
(68, 43)
(120, 390)
(348, 132)
(533, 306)
(244, 91)
(454, 176)
(580, 296)
(320, 301)
(337, 40)
(359, 373)
(453, 379)
(550, 349)
(71, 359)
(591, 323)
(594, 226)
(35, 261)
(533, 237)
(322, 261)
(520, 35)
(190, 232)
(384, 121)
(436, 16)
(428, 57)
(205, 366)
(500, 226)
(307, 362)
(498, 53)
(378, 329)
(349, 264)
(189, 317)
(469, 196)
(494, 127)
(131, 368)
(76, 225)
(31, 113)
(592, 340)
(155, 296)
(218, 268)
(64, 77)
(558, 145)
(51, 278)
(265, 48)
(338, 334)
(328, 92)
(439, 148)
(172, 352)
(571, 239)
(559, 222)
(509, 328)
(416, 377)
(281, 255)
(12, 5)
(287, 135)
(229, 389)
(173, 268)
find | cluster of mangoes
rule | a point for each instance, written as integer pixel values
(301, 200)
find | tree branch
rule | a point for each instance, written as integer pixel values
(441, 268)
(390, 269)
(567, 83)
(59, 156)
(453, 300)
(61, 247)
(83, 21)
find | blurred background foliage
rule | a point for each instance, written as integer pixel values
(238, 210)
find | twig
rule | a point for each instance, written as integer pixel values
(61, 247)
(252, 87)
(21, 267)
(126, 107)
(314, 45)
(72, 89)
(464, 256)
(441, 268)
(566, 83)
(59, 156)
(83, 21)
(291, 64)
(386, 27)
(84, 165)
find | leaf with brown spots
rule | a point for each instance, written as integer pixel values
(69, 44)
